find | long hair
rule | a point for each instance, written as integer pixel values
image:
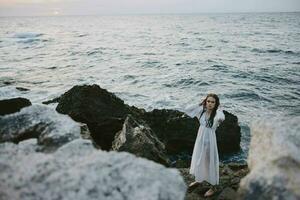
(214, 111)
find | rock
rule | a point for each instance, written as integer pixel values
(174, 128)
(49, 127)
(274, 161)
(78, 171)
(91, 103)
(227, 194)
(182, 163)
(226, 188)
(102, 111)
(140, 140)
(55, 100)
(13, 105)
(179, 131)
(228, 134)
(22, 89)
(103, 132)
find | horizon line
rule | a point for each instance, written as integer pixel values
(166, 13)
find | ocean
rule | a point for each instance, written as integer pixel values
(251, 60)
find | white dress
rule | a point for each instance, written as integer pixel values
(205, 158)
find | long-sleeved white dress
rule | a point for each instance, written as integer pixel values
(205, 157)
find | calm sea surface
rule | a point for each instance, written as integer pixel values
(252, 61)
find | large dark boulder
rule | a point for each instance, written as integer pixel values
(102, 111)
(90, 103)
(105, 113)
(177, 130)
(139, 139)
(8, 106)
(228, 134)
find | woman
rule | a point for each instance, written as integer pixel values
(205, 158)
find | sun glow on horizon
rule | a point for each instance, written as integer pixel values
(55, 12)
(95, 7)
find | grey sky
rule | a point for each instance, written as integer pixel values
(100, 7)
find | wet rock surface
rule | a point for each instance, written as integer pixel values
(8, 106)
(49, 127)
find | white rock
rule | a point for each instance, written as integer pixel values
(52, 129)
(79, 171)
(274, 161)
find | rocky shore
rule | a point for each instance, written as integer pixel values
(94, 146)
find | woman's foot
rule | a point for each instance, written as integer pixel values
(192, 186)
(209, 192)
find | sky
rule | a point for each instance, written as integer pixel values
(108, 7)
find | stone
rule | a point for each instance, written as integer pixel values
(174, 128)
(274, 161)
(228, 134)
(79, 171)
(102, 111)
(227, 194)
(38, 121)
(13, 105)
(140, 140)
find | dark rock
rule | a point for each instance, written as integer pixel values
(22, 89)
(182, 163)
(228, 134)
(90, 104)
(102, 111)
(13, 105)
(227, 194)
(104, 131)
(225, 190)
(55, 100)
(177, 130)
(140, 140)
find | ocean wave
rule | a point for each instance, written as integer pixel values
(279, 51)
(187, 82)
(32, 40)
(94, 51)
(27, 35)
(153, 63)
(247, 95)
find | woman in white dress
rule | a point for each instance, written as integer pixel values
(205, 158)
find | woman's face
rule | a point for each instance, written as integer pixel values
(210, 103)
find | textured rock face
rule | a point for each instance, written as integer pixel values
(8, 106)
(102, 111)
(274, 161)
(228, 134)
(178, 131)
(91, 104)
(78, 171)
(230, 175)
(175, 129)
(49, 127)
(140, 140)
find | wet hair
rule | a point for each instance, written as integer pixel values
(210, 121)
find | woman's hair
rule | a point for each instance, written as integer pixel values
(214, 111)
